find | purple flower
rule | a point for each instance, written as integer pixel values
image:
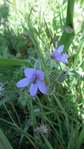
(35, 77)
(57, 55)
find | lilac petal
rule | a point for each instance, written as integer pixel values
(60, 57)
(63, 59)
(66, 55)
(33, 89)
(55, 54)
(40, 74)
(29, 72)
(60, 49)
(23, 82)
(41, 87)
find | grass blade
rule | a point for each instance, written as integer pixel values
(12, 62)
(4, 143)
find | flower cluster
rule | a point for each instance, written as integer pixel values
(36, 77)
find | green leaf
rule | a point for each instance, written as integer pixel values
(12, 96)
(62, 76)
(27, 125)
(47, 142)
(70, 13)
(66, 38)
(73, 73)
(80, 138)
(12, 62)
(4, 143)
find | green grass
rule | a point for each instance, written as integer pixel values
(27, 31)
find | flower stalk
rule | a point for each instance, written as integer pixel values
(68, 33)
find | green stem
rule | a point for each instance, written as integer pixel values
(68, 33)
(70, 12)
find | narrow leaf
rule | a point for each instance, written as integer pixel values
(4, 143)
(80, 139)
(12, 62)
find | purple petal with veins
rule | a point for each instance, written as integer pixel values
(33, 89)
(23, 82)
(60, 49)
(41, 87)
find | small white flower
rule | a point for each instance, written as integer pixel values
(42, 129)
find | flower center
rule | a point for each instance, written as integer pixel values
(52, 56)
(35, 78)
